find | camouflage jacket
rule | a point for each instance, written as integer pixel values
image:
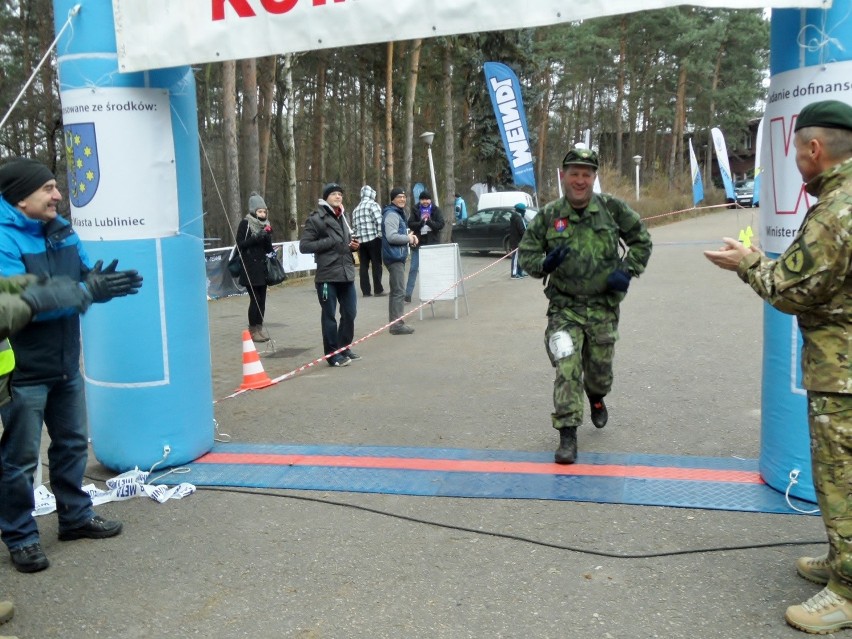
(593, 237)
(811, 280)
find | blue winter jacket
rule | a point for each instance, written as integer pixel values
(394, 235)
(47, 349)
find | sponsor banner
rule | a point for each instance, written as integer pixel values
(153, 34)
(221, 284)
(508, 103)
(783, 198)
(122, 183)
(697, 184)
(724, 165)
(758, 169)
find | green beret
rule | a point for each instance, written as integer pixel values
(829, 114)
(585, 157)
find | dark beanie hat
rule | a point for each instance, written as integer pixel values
(330, 188)
(424, 195)
(395, 192)
(21, 177)
(829, 114)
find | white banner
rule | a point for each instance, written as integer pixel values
(783, 200)
(122, 183)
(153, 34)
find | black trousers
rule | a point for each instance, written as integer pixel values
(257, 305)
(370, 255)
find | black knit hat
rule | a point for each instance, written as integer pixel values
(330, 188)
(395, 192)
(424, 195)
(21, 177)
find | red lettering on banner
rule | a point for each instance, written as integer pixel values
(278, 6)
(242, 8)
(789, 197)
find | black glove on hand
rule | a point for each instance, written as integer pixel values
(618, 280)
(105, 284)
(553, 259)
(55, 293)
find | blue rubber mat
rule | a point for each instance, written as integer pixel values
(651, 480)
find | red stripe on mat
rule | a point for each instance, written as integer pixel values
(474, 466)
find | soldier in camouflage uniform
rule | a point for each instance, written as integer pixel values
(812, 281)
(574, 244)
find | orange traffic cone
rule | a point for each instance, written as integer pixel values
(253, 374)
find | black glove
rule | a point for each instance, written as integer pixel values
(106, 283)
(553, 259)
(55, 293)
(618, 280)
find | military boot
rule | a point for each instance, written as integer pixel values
(567, 451)
(815, 569)
(824, 613)
(598, 408)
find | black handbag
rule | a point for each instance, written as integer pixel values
(274, 270)
(235, 266)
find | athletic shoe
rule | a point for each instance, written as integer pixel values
(338, 361)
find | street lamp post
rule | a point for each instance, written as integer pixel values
(427, 138)
(637, 159)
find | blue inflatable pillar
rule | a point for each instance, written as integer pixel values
(807, 48)
(134, 183)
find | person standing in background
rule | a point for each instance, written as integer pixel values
(396, 238)
(461, 209)
(517, 226)
(254, 241)
(367, 227)
(425, 222)
(327, 235)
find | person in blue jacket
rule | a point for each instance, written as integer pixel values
(47, 385)
(396, 238)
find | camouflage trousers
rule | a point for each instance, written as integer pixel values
(588, 370)
(830, 421)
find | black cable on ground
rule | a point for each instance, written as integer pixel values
(499, 535)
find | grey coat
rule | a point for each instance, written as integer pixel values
(328, 237)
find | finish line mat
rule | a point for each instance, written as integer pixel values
(652, 480)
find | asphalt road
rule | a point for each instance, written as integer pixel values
(322, 565)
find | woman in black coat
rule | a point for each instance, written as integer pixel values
(254, 240)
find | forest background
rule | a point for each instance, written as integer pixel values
(642, 83)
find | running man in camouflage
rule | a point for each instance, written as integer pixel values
(574, 244)
(811, 280)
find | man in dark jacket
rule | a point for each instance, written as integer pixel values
(396, 238)
(426, 222)
(47, 386)
(328, 236)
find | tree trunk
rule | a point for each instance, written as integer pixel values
(389, 115)
(290, 158)
(317, 155)
(619, 97)
(677, 125)
(249, 141)
(266, 85)
(230, 146)
(410, 94)
(449, 146)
